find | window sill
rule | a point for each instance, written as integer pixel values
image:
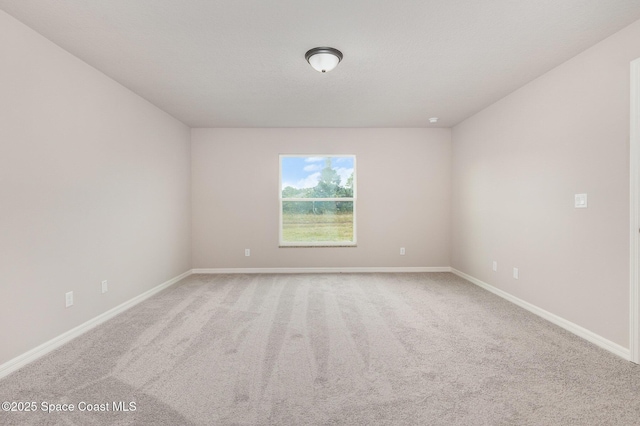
(322, 246)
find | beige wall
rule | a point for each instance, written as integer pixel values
(516, 168)
(94, 185)
(403, 196)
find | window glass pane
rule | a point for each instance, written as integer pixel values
(317, 221)
(317, 200)
(317, 177)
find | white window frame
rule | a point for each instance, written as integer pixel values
(353, 199)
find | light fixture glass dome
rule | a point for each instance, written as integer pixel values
(323, 59)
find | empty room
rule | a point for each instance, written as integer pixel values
(320, 213)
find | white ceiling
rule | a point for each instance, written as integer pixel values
(240, 63)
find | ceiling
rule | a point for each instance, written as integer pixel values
(214, 63)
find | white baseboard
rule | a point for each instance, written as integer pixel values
(35, 353)
(332, 270)
(555, 319)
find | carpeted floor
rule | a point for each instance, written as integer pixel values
(328, 349)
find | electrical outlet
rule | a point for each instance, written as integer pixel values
(495, 266)
(105, 286)
(247, 252)
(516, 273)
(68, 299)
(401, 251)
(580, 201)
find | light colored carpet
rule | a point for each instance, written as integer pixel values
(329, 349)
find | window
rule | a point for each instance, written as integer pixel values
(317, 200)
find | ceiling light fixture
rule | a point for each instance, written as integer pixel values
(323, 59)
(433, 120)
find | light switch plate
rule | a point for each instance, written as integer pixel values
(581, 201)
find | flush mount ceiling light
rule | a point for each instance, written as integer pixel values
(433, 120)
(323, 59)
